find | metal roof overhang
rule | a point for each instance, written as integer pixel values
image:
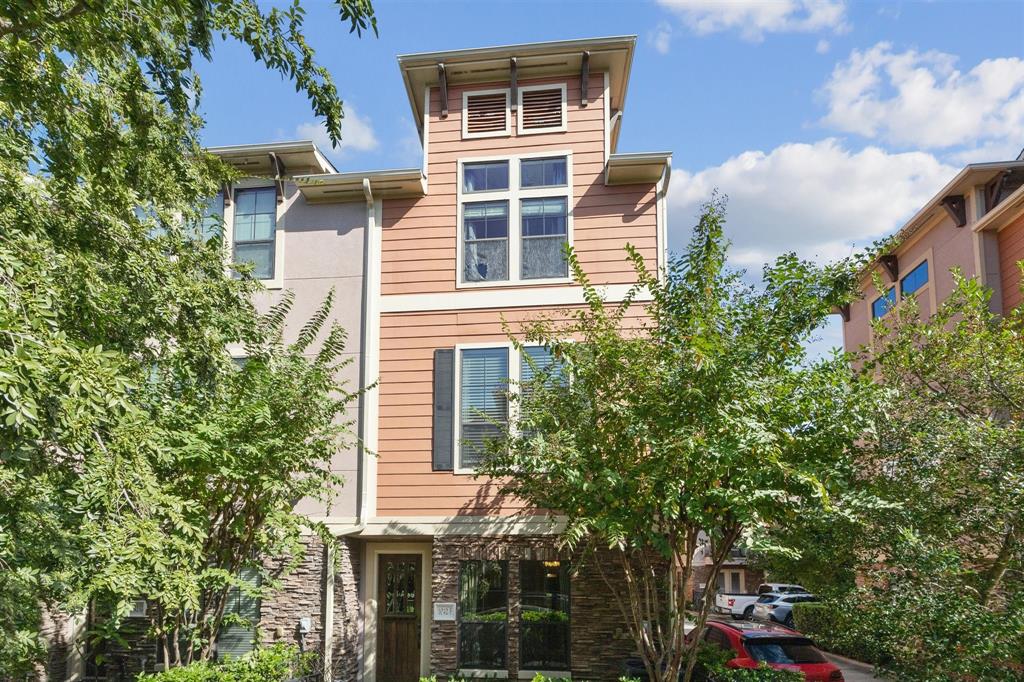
(255, 160)
(341, 187)
(636, 168)
(533, 60)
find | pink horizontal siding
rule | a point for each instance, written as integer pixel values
(420, 236)
(406, 485)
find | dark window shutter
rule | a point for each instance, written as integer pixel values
(444, 404)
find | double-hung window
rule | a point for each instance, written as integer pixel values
(483, 615)
(212, 222)
(515, 216)
(544, 615)
(254, 229)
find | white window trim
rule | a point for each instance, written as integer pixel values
(515, 359)
(466, 94)
(513, 195)
(229, 232)
(135, 611)
(537, 131)
(513, 380)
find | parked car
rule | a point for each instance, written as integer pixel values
(778, 608)
(742, 605)
(781, 648)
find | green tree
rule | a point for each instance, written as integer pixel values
(940, 594)
(102, 280)
(697, 410)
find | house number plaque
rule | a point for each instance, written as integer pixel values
(444, 610)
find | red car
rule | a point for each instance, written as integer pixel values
(779, 647)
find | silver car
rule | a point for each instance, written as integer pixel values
(778, 608)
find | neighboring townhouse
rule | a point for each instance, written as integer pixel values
(974, 223)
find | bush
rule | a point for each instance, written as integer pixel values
(274, 664)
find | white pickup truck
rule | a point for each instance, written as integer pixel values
(742, 605)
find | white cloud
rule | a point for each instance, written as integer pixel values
(661, 37)
(754, 18)
(816, 199)
(822, 47)
(356, 134)
(920, 99)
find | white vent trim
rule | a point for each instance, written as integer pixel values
(503, 132)
(560, 128)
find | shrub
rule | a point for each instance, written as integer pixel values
(273, 664)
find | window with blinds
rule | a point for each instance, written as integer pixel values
(483, 405)
(542, 109)
(486, 114)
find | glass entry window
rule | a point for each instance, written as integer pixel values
(483, 615)
(544, 615)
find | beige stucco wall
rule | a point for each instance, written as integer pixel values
(323, 249)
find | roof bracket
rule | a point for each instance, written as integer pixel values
(844, 311)
(278, 166)
(227, 189)
(891, 264)
(442, 78)
(513, 98)
(956, 207)
(584, 77)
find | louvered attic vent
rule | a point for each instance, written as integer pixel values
(486, 114)
(542, 110)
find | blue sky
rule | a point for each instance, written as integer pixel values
(827, 123)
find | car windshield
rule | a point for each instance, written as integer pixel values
(783, 650)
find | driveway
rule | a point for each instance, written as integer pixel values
(853, 671)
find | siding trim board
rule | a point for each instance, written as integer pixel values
(520, 297)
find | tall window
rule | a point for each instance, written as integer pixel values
(883, 303)
(915, 279)
(483, 405)
(515, 219)
(255, 227)
(544, 615)
(483, 614)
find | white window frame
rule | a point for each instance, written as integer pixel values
(538, 131)
(507, 132)
(229, 232)
(140, 607)
(513, 379)
(513, 195)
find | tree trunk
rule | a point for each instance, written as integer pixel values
(995, 573)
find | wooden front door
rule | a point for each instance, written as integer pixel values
(399, 608)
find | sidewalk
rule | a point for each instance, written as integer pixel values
(853, 671)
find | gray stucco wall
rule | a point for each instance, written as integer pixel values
(323, 249)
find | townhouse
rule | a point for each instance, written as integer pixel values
(435, 572)
(975, 223)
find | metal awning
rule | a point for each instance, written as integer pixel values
(638, 168)
(339, 187)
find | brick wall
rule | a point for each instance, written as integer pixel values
(599, 639)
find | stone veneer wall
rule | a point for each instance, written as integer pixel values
(300, 597)
(599, 640)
